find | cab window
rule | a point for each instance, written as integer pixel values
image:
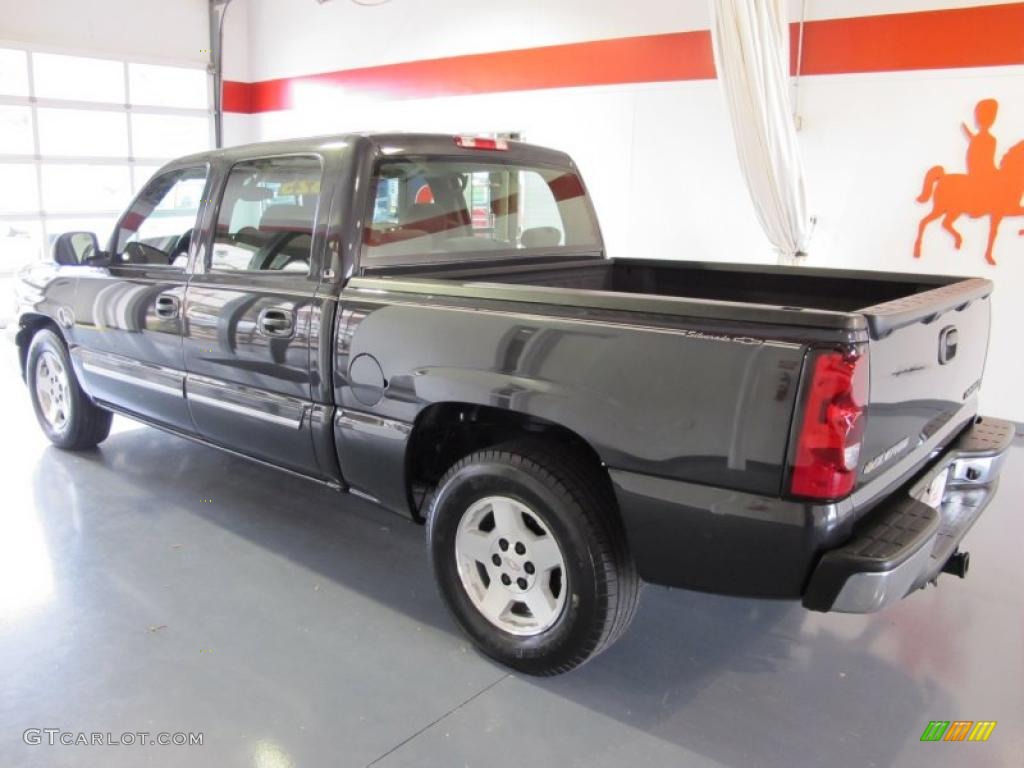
(437, 209)
(266, 216)
(157, 229)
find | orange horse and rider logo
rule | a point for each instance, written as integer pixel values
(985, 190)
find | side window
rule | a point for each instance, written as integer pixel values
(157, 228)
(266, 216)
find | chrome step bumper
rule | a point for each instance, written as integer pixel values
(904, 544)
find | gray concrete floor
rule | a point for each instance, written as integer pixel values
(156, 585)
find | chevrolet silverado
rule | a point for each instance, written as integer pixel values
(432, 323)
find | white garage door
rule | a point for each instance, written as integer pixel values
(79, 136)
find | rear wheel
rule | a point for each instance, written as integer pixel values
(68, 417)
(530, 557)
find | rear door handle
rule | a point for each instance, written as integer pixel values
(275, 322)
(167, 306)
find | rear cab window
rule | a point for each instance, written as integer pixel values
(447, 209)
(266, 216)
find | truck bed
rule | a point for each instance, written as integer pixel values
(832, 290)
(916, 402)
(828, 298)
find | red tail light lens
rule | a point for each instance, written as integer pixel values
(828, 447)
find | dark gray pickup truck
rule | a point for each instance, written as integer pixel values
(431, 323)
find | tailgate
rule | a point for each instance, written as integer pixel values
(927, 355)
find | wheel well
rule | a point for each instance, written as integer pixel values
(446, 432)
(30, 326)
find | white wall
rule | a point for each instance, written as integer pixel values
(343, 35)
(160, 31)
(868, 141)
(301, 37)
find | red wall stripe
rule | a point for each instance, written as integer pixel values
(982, 36)
(237, 97)
(655, 58)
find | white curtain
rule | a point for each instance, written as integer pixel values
(751, 44)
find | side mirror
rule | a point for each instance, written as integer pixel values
(72, 248)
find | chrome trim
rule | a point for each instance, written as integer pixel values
(130, 371)
(975, 471)
(363, 495)
(248, 401)
(868, 592)
(210, 444)
(246, 410)
(127, 378)
(372, 424)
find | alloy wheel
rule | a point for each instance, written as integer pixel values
(510, 565)
(52, 390)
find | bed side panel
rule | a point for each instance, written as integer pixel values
(683, 402)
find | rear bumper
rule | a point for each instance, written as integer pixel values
(905, 542)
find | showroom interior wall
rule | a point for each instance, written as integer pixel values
(658, 156)
(151, 29)
(92, 101)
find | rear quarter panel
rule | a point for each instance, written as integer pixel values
(656, 397)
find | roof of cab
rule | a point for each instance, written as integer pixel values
(391, 144)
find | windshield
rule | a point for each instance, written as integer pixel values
(425, 209)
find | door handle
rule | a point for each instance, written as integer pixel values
(275, 322)
(167, 306)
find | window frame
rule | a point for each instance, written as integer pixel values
(368, 261)
(197, 228)
(225, 176)
(50, 220)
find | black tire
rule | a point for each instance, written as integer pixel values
(85, 425)
(575, 503)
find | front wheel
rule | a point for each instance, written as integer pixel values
(530, 557)
(68, 417)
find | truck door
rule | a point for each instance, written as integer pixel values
(251, 311)
(128, 311)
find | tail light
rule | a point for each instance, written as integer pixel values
(828, 446)
(480, 142)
